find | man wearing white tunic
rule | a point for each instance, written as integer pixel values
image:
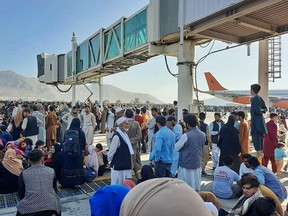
(190, 147)
(109, 125)
(119, 155)
(88, 124)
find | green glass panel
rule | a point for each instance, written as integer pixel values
(112, 48)
(69, 64)
(82, 60)
(94, 51)
(135, 31)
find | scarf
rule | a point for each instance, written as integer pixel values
(107, 200)
(11, 163)
(18, 118)
(92, 160)
(10, 143)
(163, 197)
(243, 204)
(126, 139)
(129, 183)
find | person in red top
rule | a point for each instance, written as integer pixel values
(138, 117)
(270, 142)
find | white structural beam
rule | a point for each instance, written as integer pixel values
(100, 83)
(263, 71)
(185, 77)
(256, 25)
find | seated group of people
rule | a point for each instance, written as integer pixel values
(172, 196)
(255, 181)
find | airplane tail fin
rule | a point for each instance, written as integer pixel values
(213, 84)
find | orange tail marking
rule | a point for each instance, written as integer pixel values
(213, 84)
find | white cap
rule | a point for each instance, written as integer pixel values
(120, 120)
(118, 109)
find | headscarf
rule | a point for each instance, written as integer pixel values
(107, 200)
(11, 163)
(163, 197)
(57, 147)
(18, 118)
(230, 122)
(129, 183)
(20, 146)
(11, 143)
(147, 173)
(19, 152)
(75, 124)
(92, 159)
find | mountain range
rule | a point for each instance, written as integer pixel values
(14, 86)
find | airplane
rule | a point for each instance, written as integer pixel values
(278, 98)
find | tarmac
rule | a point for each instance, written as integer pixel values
(78, 205)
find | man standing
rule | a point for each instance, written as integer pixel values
(190, 147)
(88, 124)
(268, 178)
(204, 128)
(270, 142)
(68, 117)
(151, 129)
(134, 134)
(119, 155)
(178, 131)
(243, 133)
(258, 127)
(109, 124)
(162, 153)
(214, 128)
(144, 131)
(51, 124)
(29, 126)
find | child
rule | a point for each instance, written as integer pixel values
(279, 155)
(282, 133)
(101, 155)
(26, 146)
(40, 146)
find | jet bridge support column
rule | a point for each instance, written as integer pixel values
(185, 77)
(74, 81)
(100, 83)
(263, 79)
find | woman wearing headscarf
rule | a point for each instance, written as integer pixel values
(145, 174)
(107, 200)
(72, 172)
(10, 145)
(229, 144)
(55, 161)
(17, 123)
(10, 169)
(163, 197)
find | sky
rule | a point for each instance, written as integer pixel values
(30, 27)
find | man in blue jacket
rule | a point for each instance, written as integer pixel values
(162, 153)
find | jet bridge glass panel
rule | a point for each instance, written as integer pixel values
(69, 64)
(112, 42)
(135, 31)
(82, 62)
(94, 51)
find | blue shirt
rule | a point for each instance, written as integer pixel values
(223, 181)
(164, 146)
(279, 154)
(267, 177)
(178, 131)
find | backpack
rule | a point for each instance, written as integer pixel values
(71, 145)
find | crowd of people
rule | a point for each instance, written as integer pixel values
(42, 144)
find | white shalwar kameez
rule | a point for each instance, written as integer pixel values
(88, 124)
(119, 176)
